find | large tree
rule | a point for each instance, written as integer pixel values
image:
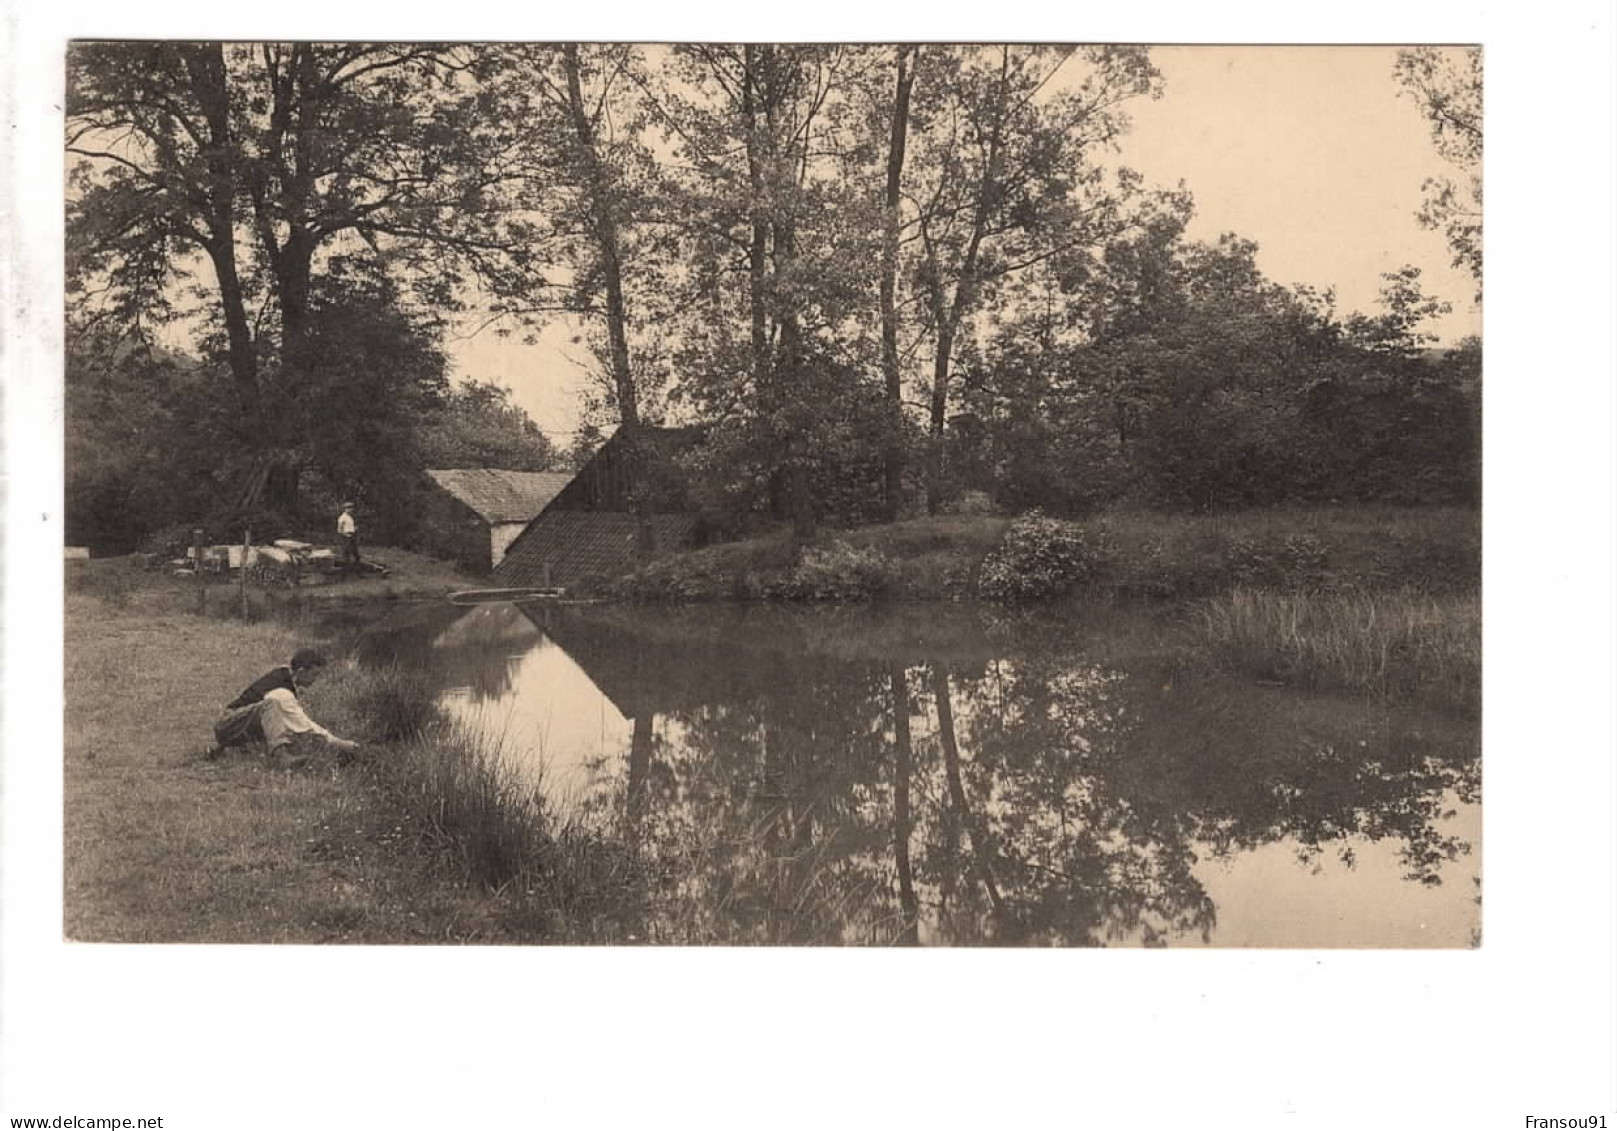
(476, 425)
(892, 226)
(257, 163)
(1006, 177)
(592, 190)
(777, 247)
(1179, 375)
(357, 416)
(156, 179)
(141, 429)
(1446, 85)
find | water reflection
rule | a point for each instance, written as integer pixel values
(938, 777)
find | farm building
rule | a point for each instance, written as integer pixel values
(588, 529)
(472, 515)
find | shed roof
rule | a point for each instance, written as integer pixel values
(502, 496)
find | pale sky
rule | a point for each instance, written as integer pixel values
(1307, 150)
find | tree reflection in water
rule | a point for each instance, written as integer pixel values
(857, 778)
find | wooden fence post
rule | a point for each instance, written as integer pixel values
(196, 564)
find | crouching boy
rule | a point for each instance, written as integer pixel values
(269, 711)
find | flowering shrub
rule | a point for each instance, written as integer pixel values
(1039, 557)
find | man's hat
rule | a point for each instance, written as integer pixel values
(348, 506)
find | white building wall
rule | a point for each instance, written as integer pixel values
(500, 537)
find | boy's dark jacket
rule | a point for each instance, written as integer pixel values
(263, 685)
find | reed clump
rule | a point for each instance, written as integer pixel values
(484, 814)
(1399, 644)
(493, 820)
(390, 703)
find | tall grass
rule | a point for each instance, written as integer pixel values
(471, 804)
(558, 873)
(486, 816)
(390, 703)
(1397, 644)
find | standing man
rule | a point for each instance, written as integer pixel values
(348, 534)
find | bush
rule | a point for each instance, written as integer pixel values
(469, 801)
(971, 502)
(765, 570)
(1039, 557)
(837, 573)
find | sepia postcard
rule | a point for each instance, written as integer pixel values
(576, 549)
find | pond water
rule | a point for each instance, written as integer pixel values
(952, 775)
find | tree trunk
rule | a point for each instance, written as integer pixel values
(957, 791)
(903, 757)
(604, 223)
(791, 358)
(238, 332)
(893, 458)
(293, 270)
(937, 419)
(966, 286)
(758, 248)
(770, 252)
(787, 364)
(290, 261)
(281, 487)
(205, 66)
(293, 262)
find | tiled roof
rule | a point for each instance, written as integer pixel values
(579, 544)
(502, 496)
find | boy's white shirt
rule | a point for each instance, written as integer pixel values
(293, 718)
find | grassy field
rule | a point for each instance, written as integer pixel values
(163, 846)
(122, 584)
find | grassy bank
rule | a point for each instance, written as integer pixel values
(426, 839)
(123, 584)
(934, 558)
(1135, 555)
(494, 829)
